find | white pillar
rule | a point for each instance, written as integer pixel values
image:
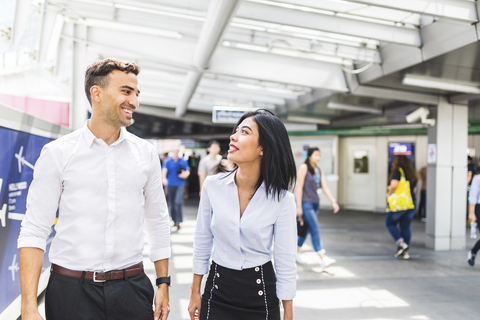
(447, 179)
(79, 102)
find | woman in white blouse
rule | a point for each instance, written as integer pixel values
(248, 216)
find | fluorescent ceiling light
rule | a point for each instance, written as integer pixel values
(160, 12)
(396, 126)
(129, 28)
(294, 7)
(348, 107)
(288, 52)
(308, 120)
(436, 83)
(270, 89)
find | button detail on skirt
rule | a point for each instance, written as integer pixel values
(216, 287)
(259, 281)
(218, 275)
(257, 268)
(260, 292)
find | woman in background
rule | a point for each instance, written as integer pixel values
(248, 216)
(403, 218)
(310, 183)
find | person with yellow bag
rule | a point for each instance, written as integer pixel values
(401, 204)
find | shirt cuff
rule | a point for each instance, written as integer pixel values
(200, 267)
(32, 242)
(160, 254)
(286, 291)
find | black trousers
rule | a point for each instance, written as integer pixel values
(248, 294)
(70, 298)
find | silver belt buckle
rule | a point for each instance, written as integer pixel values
(95, 277)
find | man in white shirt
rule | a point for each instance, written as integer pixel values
(208, 165)
(105, 182)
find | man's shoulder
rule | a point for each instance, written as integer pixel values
(66, 141)
(139, 141)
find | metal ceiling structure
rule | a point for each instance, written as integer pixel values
(331, 63)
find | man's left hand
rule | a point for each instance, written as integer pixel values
(162, 303)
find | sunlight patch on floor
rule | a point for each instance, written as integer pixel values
(359, 297)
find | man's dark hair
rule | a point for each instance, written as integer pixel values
(97, 73)
(213, 142)
(278, 166)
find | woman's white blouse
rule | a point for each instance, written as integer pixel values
(267, 229)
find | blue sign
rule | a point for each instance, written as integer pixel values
(400, 148)
(18, 153)
(228, 114)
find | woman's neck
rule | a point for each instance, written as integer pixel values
(247, 176)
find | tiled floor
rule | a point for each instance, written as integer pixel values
(367, 282)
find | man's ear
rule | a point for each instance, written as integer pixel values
(95, 92)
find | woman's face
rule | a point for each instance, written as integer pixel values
(244, 146)
(315, 157)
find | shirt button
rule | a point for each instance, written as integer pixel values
(218, 275)
(260, 292)
(256, 269)
(216, 287)
(259, 281)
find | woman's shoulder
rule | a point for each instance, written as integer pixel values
(218, 179)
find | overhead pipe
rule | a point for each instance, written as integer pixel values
(219, 14)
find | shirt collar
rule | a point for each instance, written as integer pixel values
(230, 178)
(90, 137)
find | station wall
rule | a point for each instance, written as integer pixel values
(372, 189)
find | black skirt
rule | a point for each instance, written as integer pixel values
(248, 294)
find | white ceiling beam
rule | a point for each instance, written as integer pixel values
(264, 66)
(248, 64)
(369, 30)
(304, 100)
(219, 14)
(394, 94)
(22, 9)
(465, 11)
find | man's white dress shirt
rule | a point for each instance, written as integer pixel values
(266, 229)
(104, 195)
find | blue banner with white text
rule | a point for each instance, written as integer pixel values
(18, 153)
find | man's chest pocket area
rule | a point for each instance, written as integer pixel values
(131, 176)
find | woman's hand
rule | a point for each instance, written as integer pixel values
(195, 305)
(335, 207)
(472, 216)
(300, 215)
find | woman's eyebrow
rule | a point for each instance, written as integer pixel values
(246, 127)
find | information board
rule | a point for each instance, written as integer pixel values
(18, 153)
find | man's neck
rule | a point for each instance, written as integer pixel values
(104, 131)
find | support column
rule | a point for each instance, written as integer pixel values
(447, 179)
(79, 102)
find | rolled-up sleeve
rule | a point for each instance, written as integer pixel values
(203, 241)
(474, 190)
(156, 213)
(285, 236)
(42, 201)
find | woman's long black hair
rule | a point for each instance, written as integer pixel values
(277, 168)
(307, 161)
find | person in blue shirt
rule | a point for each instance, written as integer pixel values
(248, 217)
(175, 170)
(474, 214)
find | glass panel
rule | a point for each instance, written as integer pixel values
(360, 161)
